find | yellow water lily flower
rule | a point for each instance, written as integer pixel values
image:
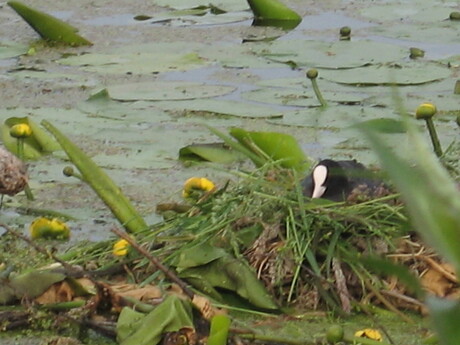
(120, 248)
(49, 228)
(369, 333)
(21, 130)
(197, 183)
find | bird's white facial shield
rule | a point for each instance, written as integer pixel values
(319, 178)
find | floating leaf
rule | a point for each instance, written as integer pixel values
(301, 97)
(49, 27)
(140, 59)
(10, 50)
(222, 107)
(278, 146)
(35, 146)
(226, 5)
(336, 55)
(158, 91)
(102, 184)
(412, 74)
(215, 152)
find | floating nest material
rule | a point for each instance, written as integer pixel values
(13, 173)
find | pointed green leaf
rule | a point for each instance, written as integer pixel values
(101, 183)
(272, 9)
(49, 27)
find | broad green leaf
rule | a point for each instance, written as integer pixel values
(171, 315)
(28, 285)
(218, 334)
(412, 74)
(273, 9)
(158, 91)
(230, 274)
(278, 146)
(49, 27)
(197, 255)
(215, 152)
(101, 183)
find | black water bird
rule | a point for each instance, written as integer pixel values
(338, 180)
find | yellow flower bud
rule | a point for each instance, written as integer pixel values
(49, 229)
(21, 130)
(425, 111)
(120, 248)
(197, 183)
(369, 333)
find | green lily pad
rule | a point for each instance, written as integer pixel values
(340, 54)
(410, 74)
(301, 97)
(157, 91)
(49, 27)
(332, 117)
(226, 5)
(140, 59)
(422, 11)
(240, 56)
(200, 16)
(101, 105)
(9, 50)
(423, 33)
(221, 107)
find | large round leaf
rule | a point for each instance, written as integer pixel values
(158, 91)
(340, 54)
(410, 74)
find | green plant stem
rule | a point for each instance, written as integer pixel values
(318, 93)
(27, 189)
(434, 137)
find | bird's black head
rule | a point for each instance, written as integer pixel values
(327, 180)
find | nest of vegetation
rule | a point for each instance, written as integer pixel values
(308, 254)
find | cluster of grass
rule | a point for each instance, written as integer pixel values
(306, 252)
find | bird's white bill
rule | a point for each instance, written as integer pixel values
(319, 177)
